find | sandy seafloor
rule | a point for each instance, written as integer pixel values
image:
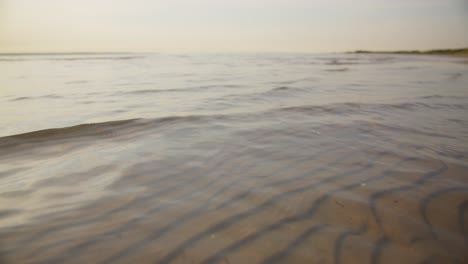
(241, 158)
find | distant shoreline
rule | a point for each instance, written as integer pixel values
(450, 52)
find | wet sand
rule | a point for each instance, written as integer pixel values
(299, 198)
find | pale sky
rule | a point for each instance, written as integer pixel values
(231, 25)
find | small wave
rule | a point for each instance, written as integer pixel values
(60, 134)
(352, 108)
(289, 82)
(132, 127)
(21, 98)
(401, 130)
(332, 59)
(110, 129)
(61, 57)
(456, 75)
(97, 58)
(432, 96)
(8, 212)
(337, 62)
(358, 60)
(134, 83)
(257, 97)
(338, 70)
(437, 96)
(343, 108)
(179, 90)
(49, 96)
(282, 88)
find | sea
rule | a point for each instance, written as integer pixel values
(233, 158)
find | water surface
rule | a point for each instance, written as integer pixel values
(247, 158)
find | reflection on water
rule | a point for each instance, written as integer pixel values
(152, 158)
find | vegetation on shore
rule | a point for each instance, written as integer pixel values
(463, 52)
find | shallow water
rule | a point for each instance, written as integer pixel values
(258, 158)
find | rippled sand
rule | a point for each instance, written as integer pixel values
(314, 165)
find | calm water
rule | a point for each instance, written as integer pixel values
(261, 158)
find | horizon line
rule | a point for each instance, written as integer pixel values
(220, 52)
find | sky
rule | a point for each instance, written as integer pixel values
(207, 26)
